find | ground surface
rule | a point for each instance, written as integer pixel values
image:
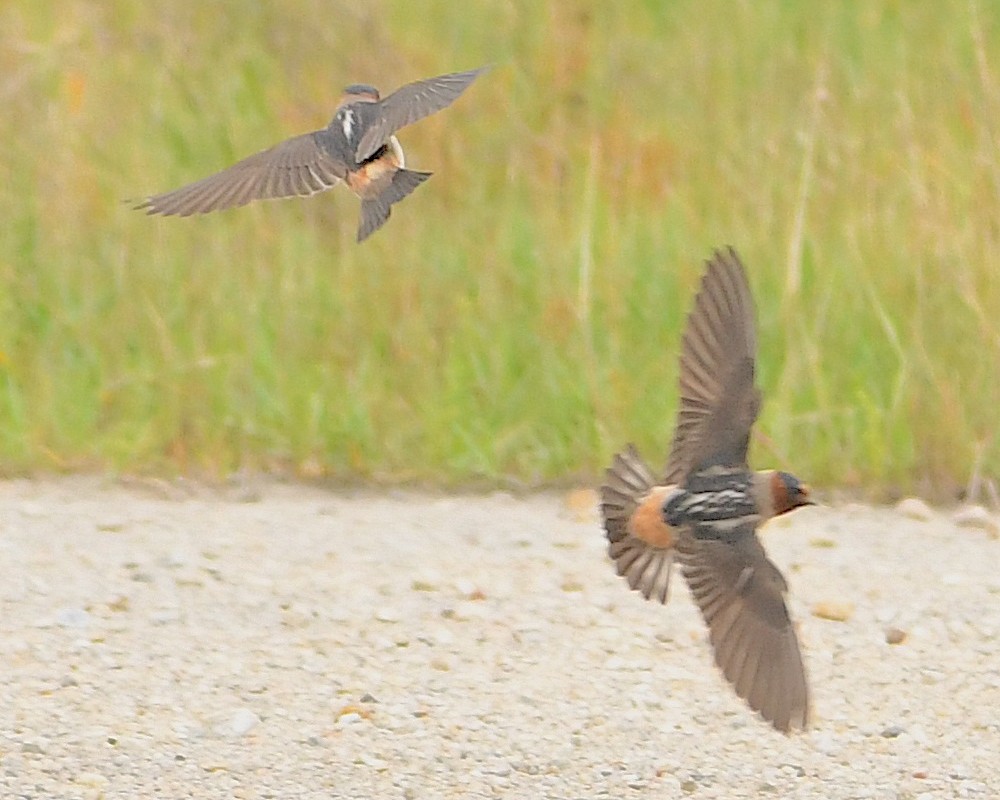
(282, 641)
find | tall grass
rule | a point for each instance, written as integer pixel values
(519, 316)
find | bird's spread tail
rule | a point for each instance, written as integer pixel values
(375, 211)
(629, 494)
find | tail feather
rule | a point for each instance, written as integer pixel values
(376, 210)
(627, 483)
(404, 181)
(374, 213)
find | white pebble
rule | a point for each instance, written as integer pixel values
(242, 722)
(72, 618)
(979, 518)
(914, 508)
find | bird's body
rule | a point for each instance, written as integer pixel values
(704, 511)
(358, 147)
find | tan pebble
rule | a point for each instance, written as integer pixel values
(441, 665)
(581, 503)
(823, 543)
(567, 545)
(837, 612)
(572, 586)
(977, 517)
(111, 526)
(353, 713)
(895, 636)
(422, 586)
(118, 602)
(91, 779)
(914, 508)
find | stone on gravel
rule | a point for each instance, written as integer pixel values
(914, 508)
(832, 610)
(979, 518)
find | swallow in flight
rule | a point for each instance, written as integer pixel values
(358, 147)
(704, 510)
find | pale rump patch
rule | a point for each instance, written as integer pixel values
(647, 523)
(373, 176)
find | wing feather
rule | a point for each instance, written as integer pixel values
(297, 167)
(411, 103)
(741, 595)
(718, 399)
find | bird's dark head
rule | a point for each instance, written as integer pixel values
(360, 92)
(788, 492)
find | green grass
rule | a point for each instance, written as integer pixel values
(519, 316)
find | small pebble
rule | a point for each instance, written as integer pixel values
(72, 618)
(914, 508)
(837, 612)
(117, 602)
(822, 543)
(895, 636)
(91, 779)
(892, 732)
(242, 722)
(581, 504)
(979, 518)
(374, 762)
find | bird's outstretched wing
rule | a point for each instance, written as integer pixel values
(297, 167)
(719, 401)
(741, 594)
(410, 103)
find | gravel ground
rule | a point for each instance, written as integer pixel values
(162, 640)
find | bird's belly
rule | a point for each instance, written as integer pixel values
(646, 522)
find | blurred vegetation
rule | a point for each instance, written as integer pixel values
(519, 316)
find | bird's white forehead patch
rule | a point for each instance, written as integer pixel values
(347, 122)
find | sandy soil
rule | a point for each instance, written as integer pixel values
(282, 641)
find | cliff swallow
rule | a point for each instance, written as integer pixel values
(705, 509)
(358, 147)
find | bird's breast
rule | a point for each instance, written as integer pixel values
(711, 496)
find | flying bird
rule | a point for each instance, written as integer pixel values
(704, 510)
(358, 147)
